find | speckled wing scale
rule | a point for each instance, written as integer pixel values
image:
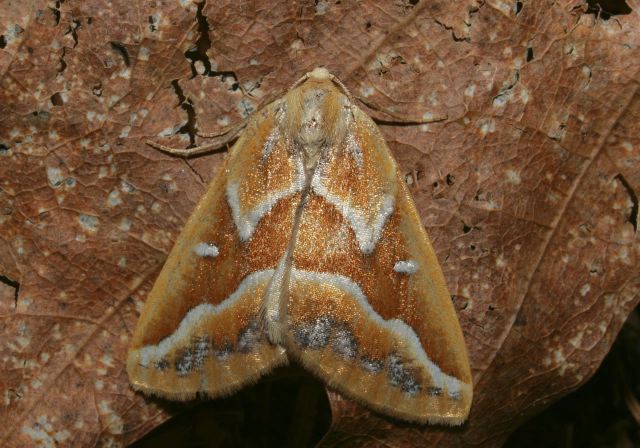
(307, 246)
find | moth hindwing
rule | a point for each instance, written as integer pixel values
(307, 247)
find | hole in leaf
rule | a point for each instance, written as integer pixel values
(633, 215)
(56, 99)
(529, 54)
(56, 12)
(122, 50)
(451, 179)
(73, 30)
(190, 126)
(608, 8)
(13, 284)
(3, 41)
(152, 24)
(202, 44)
(518, 7)
(63, 63)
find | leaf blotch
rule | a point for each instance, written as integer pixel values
(605, 9)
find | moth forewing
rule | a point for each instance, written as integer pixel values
(364, 313)
(199, 329)
(308, 246)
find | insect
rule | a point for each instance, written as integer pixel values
(307, 247)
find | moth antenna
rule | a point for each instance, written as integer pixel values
(340, 84)
(398, 119)
(299, 81)
(323, 73)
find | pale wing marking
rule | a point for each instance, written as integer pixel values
(246, 223)
(367, 234)
(403, 331)
(152, 353)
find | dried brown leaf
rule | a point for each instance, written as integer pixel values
(529, 190)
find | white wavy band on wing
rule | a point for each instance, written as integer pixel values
(152, 353)
(367, 234)
(246, 222)
(403, 331)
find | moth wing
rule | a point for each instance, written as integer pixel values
(199, 331)
(369, 310)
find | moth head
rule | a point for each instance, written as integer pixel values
(315, 115)
(319, 73)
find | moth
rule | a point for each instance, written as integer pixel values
(307, 247)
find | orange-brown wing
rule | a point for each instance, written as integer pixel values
(199, 331)
(369, 310)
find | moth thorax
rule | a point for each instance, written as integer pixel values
(317, 124)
